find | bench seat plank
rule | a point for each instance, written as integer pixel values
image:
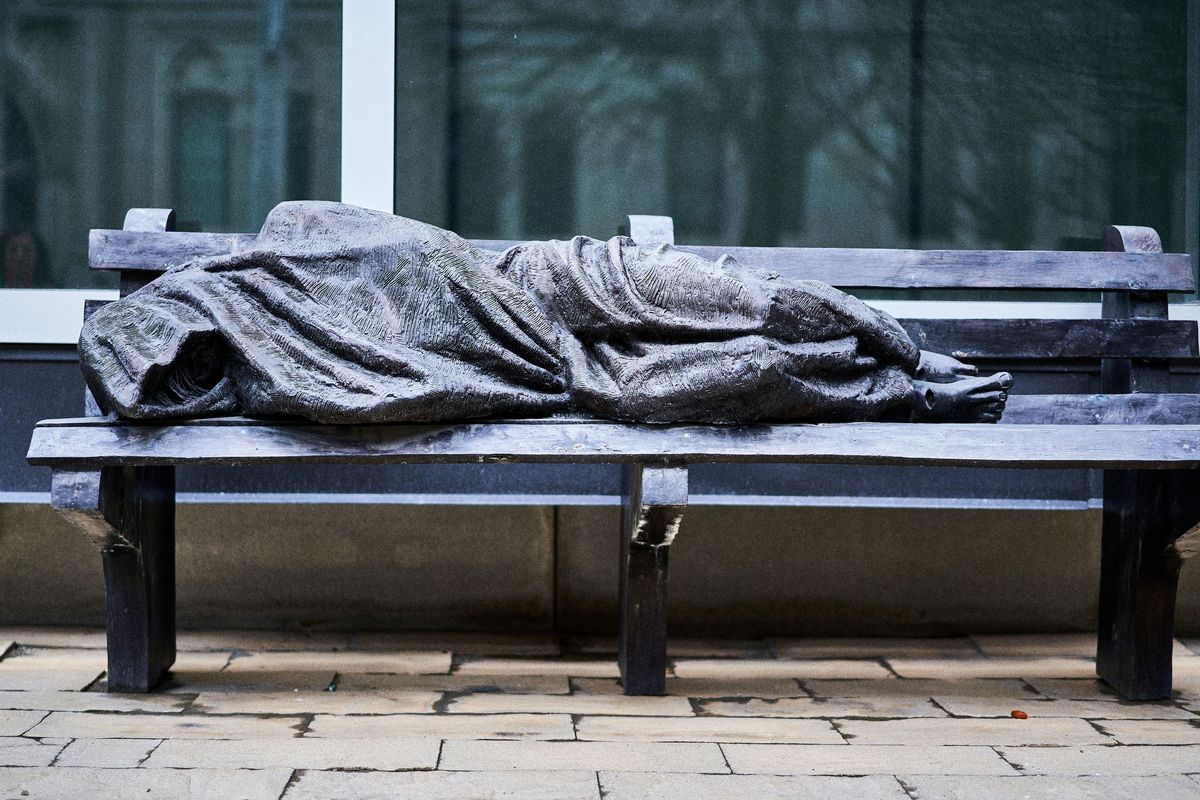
(70, 444)
(860, 268)
(1025, 409)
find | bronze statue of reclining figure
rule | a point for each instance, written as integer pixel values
(343, 315)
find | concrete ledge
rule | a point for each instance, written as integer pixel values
(280, 566)
(736, 570)
(830, 572)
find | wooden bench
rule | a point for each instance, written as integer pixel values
(116, 479)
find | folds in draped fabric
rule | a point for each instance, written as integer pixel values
(340, 314)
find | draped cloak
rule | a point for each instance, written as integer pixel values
(341, 315)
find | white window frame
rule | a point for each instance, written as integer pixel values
(53, 316)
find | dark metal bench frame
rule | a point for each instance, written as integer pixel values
(115, 480)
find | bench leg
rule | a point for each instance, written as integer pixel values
(653, 501)
(1147, 517)
(129, 513)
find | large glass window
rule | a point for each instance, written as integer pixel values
(218, 109)
(887, 123)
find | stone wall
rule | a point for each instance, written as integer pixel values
(736, 571)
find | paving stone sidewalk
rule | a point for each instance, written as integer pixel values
(421, 716)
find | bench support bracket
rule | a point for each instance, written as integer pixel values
(129, 514)
(653, 502)
(1145, 512)
(1147, 518)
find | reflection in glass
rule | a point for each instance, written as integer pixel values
(889, 123)
(22, 256)
(219, 110)
(201, 154)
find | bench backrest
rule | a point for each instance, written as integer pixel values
(1133, 275)
(847, 268)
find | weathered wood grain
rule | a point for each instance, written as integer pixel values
(138, 250)
(1130, 239)
(149, 219)
(653, 499)
(139, 576)
(144, 220)
(1144, 512)
(849, 268)
(966, 269)
(647, 229)
(156, 251)
(1047, 446)
(1059, 409)
(129, 514)
(1056, 338)
(75, 495)
(1102, 409)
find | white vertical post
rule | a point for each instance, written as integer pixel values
(369, 103)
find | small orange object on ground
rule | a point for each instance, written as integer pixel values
(1019, 714)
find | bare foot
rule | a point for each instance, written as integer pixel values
(941, 368)
(970, 400)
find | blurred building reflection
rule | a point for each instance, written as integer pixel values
(816, 122)
(937, 123)
(218, 108)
